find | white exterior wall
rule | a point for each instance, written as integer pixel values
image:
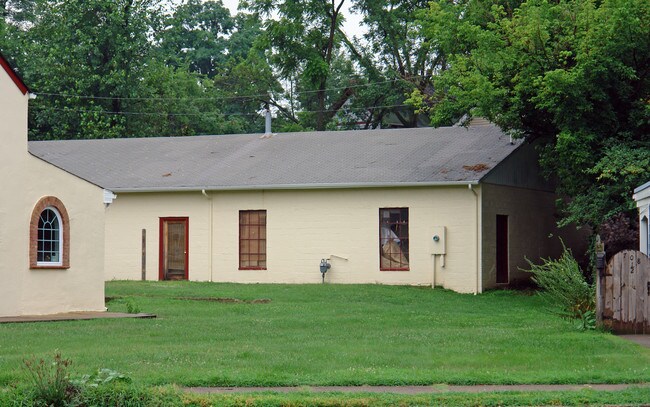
(24, 180)
(532, 230)
(642, 199)
(303, 226)
(130, 213)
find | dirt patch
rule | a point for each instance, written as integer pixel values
(226, 300)
(476, 167)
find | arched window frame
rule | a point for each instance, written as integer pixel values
(50, 202)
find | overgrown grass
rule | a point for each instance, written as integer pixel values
(326, 335)
(138, 396)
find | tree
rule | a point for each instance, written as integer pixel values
(398, 55)
(74, 49)
(128, 68)
(302, 40)
(197, 33)
(572, 74)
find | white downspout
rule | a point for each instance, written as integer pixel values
(209, 198)
(477, 241)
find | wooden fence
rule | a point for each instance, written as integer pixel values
(623, 293)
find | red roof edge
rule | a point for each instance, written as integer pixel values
(13, 75)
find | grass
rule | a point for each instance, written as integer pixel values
(326, 335)
(134, 396)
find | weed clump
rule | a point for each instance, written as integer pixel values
(565, 289)
(51, 385)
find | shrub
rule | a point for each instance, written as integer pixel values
(564, 287)
(132, 307)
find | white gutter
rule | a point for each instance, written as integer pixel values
(296, 186)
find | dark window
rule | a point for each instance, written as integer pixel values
(394, 239)
(252, 240)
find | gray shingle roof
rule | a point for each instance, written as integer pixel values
(287, 160)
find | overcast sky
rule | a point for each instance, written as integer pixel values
(351, 27)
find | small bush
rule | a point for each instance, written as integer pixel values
(50, 381)
(565, 289)
(132, 307)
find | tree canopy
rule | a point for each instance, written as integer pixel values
(572, 75)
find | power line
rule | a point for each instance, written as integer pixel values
(242, 97)
(127, 113)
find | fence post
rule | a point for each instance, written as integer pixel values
(144, 254)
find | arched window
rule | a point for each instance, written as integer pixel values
(49, 235)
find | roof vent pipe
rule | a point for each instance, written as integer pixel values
(267, 123)
(267, 127)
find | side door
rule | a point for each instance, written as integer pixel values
(174, 249)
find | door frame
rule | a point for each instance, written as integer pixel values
(161, 248)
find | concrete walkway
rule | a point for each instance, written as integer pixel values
(71, 316)
(442, 388)
(643, 340)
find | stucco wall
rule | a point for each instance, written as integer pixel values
(302, 228)
(25, 179)
(532, 230)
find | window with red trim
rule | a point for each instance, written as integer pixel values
(49, 235)
(394, 239)
(252, 240)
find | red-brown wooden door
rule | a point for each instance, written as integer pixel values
(174, 249)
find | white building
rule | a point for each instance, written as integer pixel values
(51, 222)
(642, 198)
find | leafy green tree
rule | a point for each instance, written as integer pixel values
(197, 33)
(76, 48)
(397, 56)
(128, 68)
(302, 40)
(573, 74)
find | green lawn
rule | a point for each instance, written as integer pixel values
(326, 335)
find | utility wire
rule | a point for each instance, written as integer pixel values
(240, 97)
(207, 113)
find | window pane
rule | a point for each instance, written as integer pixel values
(49, 235)
(252, 239)
(394, 239)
